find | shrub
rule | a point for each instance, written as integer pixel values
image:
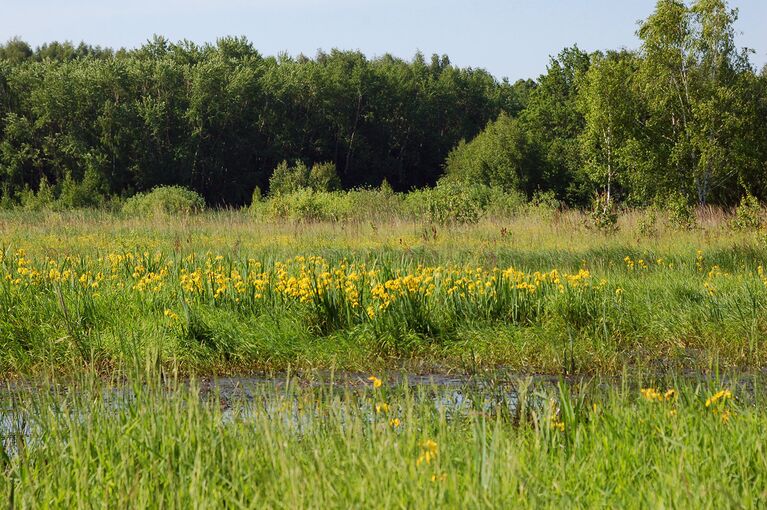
(6, 197)
(748, 215)
(648, 222)
(604, 215)
(256, 196)
(453, 202)
(35, 201)
(681, 214)
(505, 203)
(90, 192)
(289, 179)
(500, 156)
(544, 203)
(323, 177)
(374, 204)
(308, 205)
(165, 200)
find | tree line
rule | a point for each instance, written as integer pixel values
(220, 118)
(684, 115)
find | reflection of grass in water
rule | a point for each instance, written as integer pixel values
(300, 447)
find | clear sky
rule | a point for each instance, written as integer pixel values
(509, 38)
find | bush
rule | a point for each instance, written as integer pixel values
(681, 214)
(748, 215)
(604, 215)
(505, 203)
(305, 204)
(648, 222)
(500, 156)
(374, 204)
(90, 192)
(165, 200)
(43, 199)
(452, 202)
(544, 204)
(449, 202)
(323, 177)
(289, 179)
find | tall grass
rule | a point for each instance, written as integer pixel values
(101, 290)
(294, 446)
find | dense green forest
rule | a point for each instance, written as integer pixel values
(684, 115)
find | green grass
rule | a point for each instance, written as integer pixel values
(298, 446)
(690, 311)
(93, 303)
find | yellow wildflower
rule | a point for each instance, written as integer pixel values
(720, 395)
(651, 394)
(429, 451)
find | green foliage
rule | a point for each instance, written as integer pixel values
(500, 156)
(681, 213)
(544, 203)
(306, 204)
(609, 108)
(219, 118)
(288, 179)
(648, 223)
(748, 214)
(44, 196)
(291, 179)
(453, 202)
(307, 443)
(323, 177)
(257, 196)
(554, 123)
(604, 214)
(90, 192)
(165, 200)
(693, 83)
(684, 113)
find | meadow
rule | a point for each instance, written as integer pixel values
(558, 364)
(229, 292)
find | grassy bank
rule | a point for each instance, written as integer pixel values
(224, 292)
(632, 446)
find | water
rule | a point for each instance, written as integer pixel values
(285, 397)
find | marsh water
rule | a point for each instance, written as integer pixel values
(283, 396)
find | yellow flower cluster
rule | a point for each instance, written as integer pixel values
(429, 452)
(653, 395)
(762, 275)
(645, 264)
(362, 292)
(718, 404)
(722, 395)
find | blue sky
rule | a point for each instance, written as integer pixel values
(511, 38)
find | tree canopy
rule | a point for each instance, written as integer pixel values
(683, 114)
